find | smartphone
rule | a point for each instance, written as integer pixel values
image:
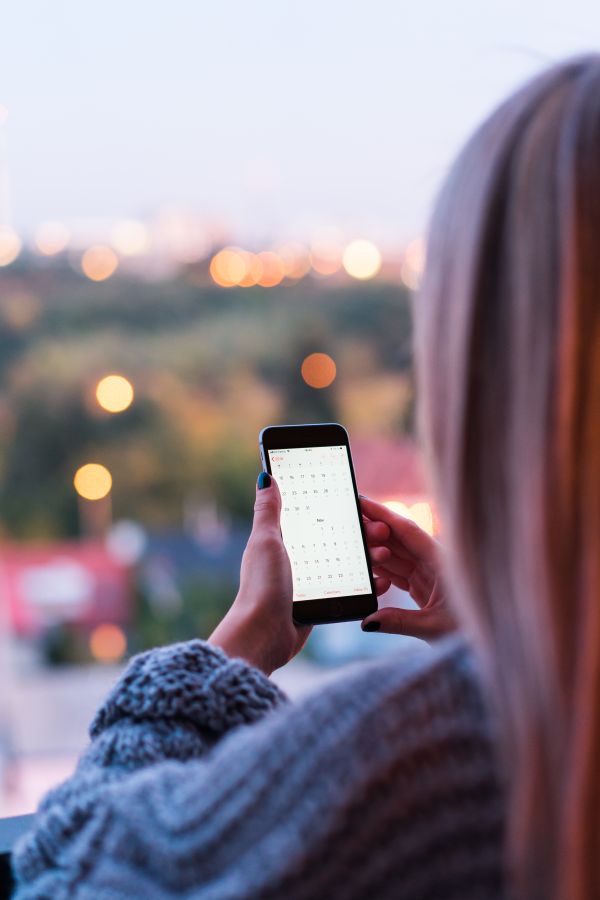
(321, 522)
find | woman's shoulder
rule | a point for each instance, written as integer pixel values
(380, 784)
(411, 721)
(426, 689)
(401, 761)
(446, 679)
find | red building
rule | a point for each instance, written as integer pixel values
(42, 585)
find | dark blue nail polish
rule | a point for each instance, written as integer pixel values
(371, 626)
(264, 480)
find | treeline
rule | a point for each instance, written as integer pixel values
(209, 366)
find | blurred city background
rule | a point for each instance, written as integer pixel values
(212, 218)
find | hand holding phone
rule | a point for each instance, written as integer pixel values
(321, 523)
(259, 627)
(410, 559)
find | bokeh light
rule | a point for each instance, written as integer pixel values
(233, 267)
(326, 258)
(114, 393)
(254, 270)
(92, 481)
(362, 259)
(295, 260)
(228, 267)
(108, 643)
(421, 513)
(182, 236)
(10, 246)
(99, 262)
(273, 272)
(51, 238)
(318, 370)
(126, 542)
(413, 264)
(130, 237)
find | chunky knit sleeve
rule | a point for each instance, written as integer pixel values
(176, 702)
(381, 785)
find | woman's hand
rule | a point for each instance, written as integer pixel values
(409, 558)
(259, 626)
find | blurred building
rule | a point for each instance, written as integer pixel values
(43, 585)
(389, 470)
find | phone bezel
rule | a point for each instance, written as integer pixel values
(326, 609)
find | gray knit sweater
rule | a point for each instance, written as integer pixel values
(201, 781)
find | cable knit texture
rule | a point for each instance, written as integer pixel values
(202, 782)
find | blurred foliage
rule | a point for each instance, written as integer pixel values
(210, 368)
(61, 644)
(201, 604)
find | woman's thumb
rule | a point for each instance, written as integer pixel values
(390, 619)
(267, 505)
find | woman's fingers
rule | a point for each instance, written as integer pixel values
(393, 566)
(382, 584)
(412, 622)
(421, 585)
(398, 581)
(385, 558)
(407, 577)
(377, 532)
(380, 555)
(409, 559)
(404, 530)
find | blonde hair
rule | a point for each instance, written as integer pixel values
(508, 360)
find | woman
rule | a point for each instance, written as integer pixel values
(469, 772)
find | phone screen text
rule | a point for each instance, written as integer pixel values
(319, 522)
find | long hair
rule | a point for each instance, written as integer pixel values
(508, 363)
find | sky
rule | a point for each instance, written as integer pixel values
(278, 118)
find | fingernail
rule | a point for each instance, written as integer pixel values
(371, 626)
(264, 480)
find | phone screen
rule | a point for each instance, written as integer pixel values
(319, 522)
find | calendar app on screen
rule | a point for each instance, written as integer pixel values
(319, 522)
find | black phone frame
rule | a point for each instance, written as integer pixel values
(326, 609)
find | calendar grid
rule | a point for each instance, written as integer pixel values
(319, 522)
